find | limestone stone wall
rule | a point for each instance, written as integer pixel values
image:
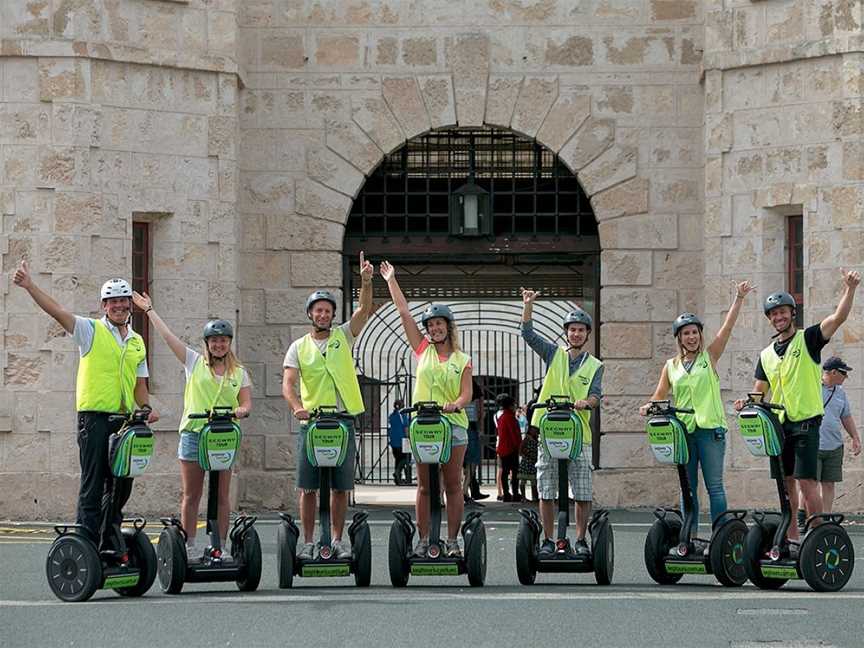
(784, 82)
(110, 111)
(613, 86)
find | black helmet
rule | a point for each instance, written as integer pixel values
(774, 300)
(436, 310)
(685, 319)
(320, 295)
(218, 327)
(578, 316)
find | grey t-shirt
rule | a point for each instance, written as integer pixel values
(831, 432)
(292, 357)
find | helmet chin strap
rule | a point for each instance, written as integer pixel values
(791, 324)
(319, 329)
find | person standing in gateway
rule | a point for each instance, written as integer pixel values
(323, 364)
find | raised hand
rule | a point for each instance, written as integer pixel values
(366, 268)
(142, 301)
(743, 289)
(387, 271)
(528, 296)
(851, 279)
(22, 276)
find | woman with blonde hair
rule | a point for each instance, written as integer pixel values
(444, 376)
(692, 378)
(214, 378)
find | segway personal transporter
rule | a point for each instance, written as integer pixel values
(218, 444)
(670, 551)
(431, 441)
(327, 439)
(561, 436)
(826, 557)
(123, 558)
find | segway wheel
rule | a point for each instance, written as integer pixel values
(249, 547)
(662, 536)
(171, 560)
(286, 551)
(362, 548)
(827, 558)
(727, 553)
(526, 550)
(475, 554)
(603, 552)
(143, 558)
(757, 543)
(73, 568)
(397, 556)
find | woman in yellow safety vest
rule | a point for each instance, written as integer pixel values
(444, 376)
(692, 378)
(214, 378)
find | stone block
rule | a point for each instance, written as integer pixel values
(351, 143)
(638, 304)
(317, 200)
(314, 269)
(221, 32)
(536, 97)
(66, 79)
(404, 99)
(565, 49)
(284, 306)
(673, 268)
(329, 169)
(373, 115)
(298, 233)
(853, 75)
(222, 137)
(467, 56)
(613, 166)
(846, 204)
(625, 268)
(630, 197)
(280, 451)
(674, 10)
(593, 138)
(626, 340)
(567, 114)
(437, 94)
(678, 191)
(263, 343)
(501, 99)
(324, 108)
(282, 50)
(652, 232)
(853, 160)
(420, 51)
(630, 377)
(25, 370)
(266, 193)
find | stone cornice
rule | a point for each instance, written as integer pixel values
(121, 53)
(726, 60)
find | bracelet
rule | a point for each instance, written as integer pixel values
(148, 309)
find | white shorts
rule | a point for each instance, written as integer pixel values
(578, 470)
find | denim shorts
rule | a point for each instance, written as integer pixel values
(460, 435)
(187, 450)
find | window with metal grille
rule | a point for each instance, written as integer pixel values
(531, 191)
(795, 263)
(141, 276)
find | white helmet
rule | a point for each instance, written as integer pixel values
(116, 288)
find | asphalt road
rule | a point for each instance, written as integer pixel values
(560, 610)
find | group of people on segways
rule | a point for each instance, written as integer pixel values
(692, 434)
(116, 445)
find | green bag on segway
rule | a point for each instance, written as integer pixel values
(761, 431)
(130, 450)
(668, 438)
(431, 437)
(561, 433)
(218, 445)
(327, 442)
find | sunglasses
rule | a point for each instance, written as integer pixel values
(841, 372)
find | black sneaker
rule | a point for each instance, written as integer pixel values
(802, 519)
(547, 549)
(479, 496)
(580, 548)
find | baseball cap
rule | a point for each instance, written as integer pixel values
(834, 362)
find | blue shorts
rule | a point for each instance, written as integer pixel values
(308, 476)
(188, 448)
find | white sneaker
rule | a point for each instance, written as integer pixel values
(342, 550)
(226, 556)
(306, 552)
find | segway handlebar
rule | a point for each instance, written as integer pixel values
(662, 407)
(330, 411)
(138, 416)
(218, 413)
(556, 402)
(428, 407)
(756, 398)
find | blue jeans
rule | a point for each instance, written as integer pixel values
(708, 448)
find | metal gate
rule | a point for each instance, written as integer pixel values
(501, 361)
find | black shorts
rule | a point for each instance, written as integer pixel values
(800, 448)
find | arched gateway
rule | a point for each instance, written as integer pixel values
(468, 216)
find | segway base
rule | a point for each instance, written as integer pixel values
(683, 566)
(117, 577)
(317, 568)
(443, 566)
(780, 569)
(566, 564)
